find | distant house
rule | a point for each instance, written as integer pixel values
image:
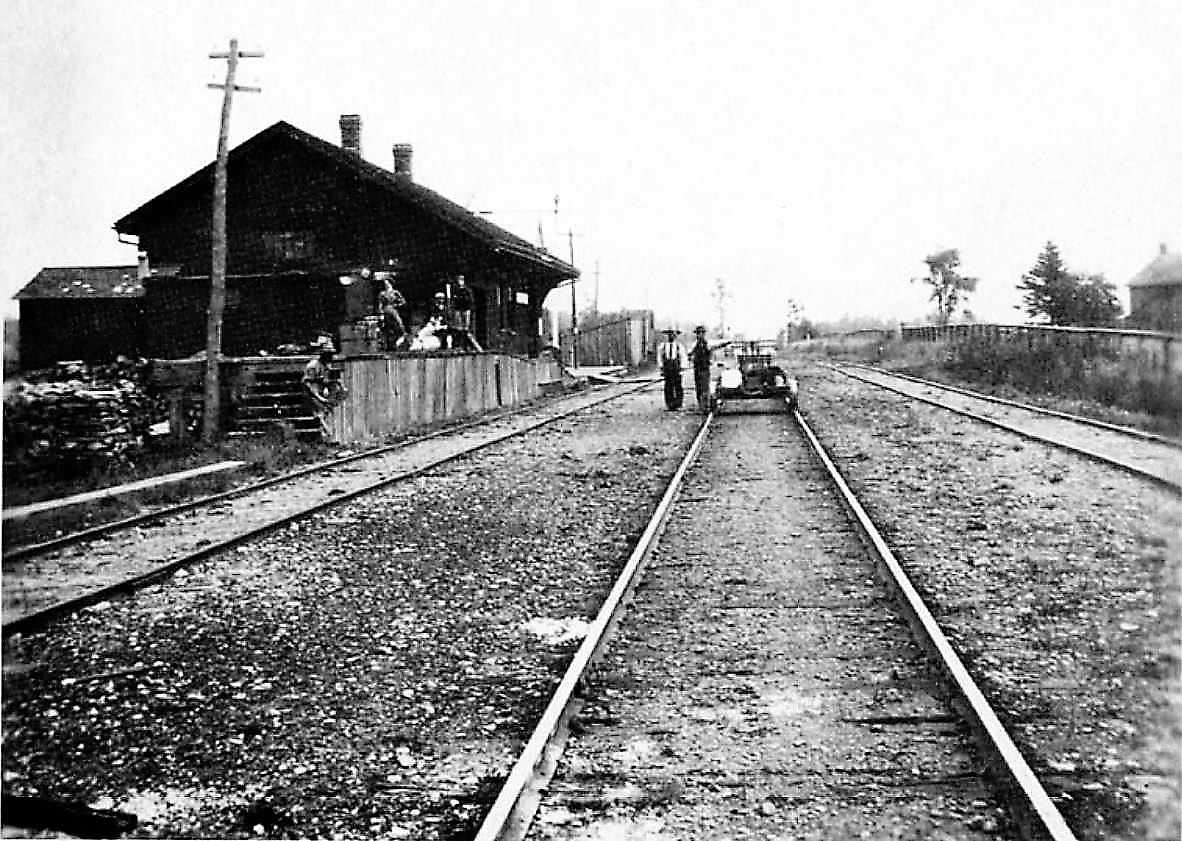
(303, 215)
(92, 313)
(1155, 294)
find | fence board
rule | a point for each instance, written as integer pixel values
(389, 395)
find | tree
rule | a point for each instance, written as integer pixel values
(1096, 303)
(949, 287)
(1051, 292)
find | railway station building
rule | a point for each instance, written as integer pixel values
(308, 225)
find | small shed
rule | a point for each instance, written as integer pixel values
(1155, 294)
(90, 313)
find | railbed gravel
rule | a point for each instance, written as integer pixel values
(370, 672)
(1056, 578)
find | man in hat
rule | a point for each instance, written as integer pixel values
(671, 359)
(322, 383)
(700, 357)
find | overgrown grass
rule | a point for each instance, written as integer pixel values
(853, 348)
(1090, 382)
(1075, 372)
(1069, 377)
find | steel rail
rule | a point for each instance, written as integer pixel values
(1132, 470)
(1111, 427)
(1039, 817)
(514, 808)
(64, 608)
(33, 549)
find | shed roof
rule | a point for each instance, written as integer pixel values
(402, 187)
(1164, 270)
(84, 282)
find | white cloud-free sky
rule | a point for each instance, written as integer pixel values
(807, 150)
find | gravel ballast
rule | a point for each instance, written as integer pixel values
(372, 671)
(1057, 578)
(762, 683)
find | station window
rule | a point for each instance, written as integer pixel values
(287, 246)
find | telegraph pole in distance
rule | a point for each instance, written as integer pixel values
(211, 421)
(595, 305)
(574, 314)
(721, 295)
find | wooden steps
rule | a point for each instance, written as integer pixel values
(273, 398)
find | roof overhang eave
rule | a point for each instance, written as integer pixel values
(548, 262)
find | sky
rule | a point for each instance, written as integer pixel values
(812, 152)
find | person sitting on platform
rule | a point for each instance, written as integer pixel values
(322, 383)
(441, 316)
(430, 336)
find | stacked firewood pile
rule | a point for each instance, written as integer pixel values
(76, 418)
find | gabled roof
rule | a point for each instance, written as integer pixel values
(1164, 270)
(402, 187)
(84, 282)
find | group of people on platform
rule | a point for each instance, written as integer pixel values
(452, 313)
(672, 358)
(448, 326)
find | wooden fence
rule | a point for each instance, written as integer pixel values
(1159, 352)
(391, 394)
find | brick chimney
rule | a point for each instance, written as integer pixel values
(351, 133)
(402, 153)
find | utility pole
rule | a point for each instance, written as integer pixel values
(595, 301)
(211, 426)
(721, 294)
(574, 313)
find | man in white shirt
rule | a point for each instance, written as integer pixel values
(671, 359)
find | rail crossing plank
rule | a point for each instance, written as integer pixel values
(22, 511)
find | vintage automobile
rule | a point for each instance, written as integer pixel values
(755, 377)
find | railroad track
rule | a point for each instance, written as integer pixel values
(17, 553)
(426, 655)
(762, 683)
(47, 581)
(1155, 458)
